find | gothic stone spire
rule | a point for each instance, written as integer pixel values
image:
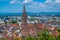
(24, 16)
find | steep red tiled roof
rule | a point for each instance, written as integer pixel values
(30, 25)
(40, 26)
(14, 25)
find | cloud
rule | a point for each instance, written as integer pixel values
(42, 5)
(37, 5)
(13, 1)
(57, 1)
(27, 1)
(52, 1)
(19, 1)
(48, 5)
(47, 1)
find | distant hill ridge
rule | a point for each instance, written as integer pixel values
(31, 14)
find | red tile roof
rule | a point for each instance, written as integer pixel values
(14, 25)
(40, 26)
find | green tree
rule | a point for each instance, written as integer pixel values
(17, 38)
(41, 38)
(51, 37)
(32, 19)
(30, 38)
(58, 30)
(13, 22)
(43, 35)
(58, 38)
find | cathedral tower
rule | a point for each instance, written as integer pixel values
(24, 16)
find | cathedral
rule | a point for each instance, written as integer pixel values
(29, 29)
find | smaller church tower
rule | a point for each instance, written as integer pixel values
(24, 16)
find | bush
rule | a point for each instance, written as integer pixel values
(58, 30)
(3, 39)
(17, 38)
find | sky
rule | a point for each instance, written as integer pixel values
(34, 6)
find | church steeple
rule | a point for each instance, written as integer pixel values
(24, 16)
(24, 10)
